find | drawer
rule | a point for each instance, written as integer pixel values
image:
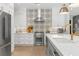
(23, 40)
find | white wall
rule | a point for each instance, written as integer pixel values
(20, 17)
(57, 19)
(12, 29)
(74, 11)
(20, 14)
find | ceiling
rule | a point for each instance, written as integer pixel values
(42, 5)
(18, 6)
(36, 5)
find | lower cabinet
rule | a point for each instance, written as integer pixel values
(26, 38)
(51, 51)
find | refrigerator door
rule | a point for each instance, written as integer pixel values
(5, 50)
(7, 28)
(5, 34)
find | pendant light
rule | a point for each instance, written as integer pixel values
(64, 9)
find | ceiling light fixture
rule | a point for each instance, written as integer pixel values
(64, 9)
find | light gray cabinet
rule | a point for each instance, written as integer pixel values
(25, 38)
(51, 50)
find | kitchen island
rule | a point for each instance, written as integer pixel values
(62, 45)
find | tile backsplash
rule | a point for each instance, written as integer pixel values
(20, 29)
(59, 30)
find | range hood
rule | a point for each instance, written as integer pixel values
(39, 18)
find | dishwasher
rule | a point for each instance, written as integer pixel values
(5, 34)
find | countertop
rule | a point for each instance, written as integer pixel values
(63, 43)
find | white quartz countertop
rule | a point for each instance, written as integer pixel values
(63, 43)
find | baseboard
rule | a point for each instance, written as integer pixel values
(23, 44)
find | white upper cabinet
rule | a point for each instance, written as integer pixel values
(7, 7)
(74, 11)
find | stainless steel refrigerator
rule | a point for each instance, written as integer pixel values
(5, 34)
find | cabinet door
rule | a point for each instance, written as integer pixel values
(76, 24)
(24, 38)
(50, 49)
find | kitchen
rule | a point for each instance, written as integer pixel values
(44, 29)
(39, 29)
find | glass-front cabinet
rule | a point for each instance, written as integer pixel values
(75, 20)
(41, 21)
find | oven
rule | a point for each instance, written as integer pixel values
(39, 38)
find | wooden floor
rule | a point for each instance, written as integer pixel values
(29, 51)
